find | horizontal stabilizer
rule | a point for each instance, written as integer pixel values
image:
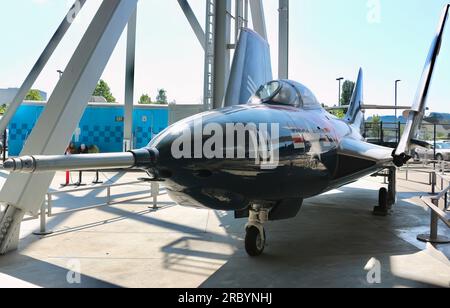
(365, 151)
(416, 114)
(372, 107)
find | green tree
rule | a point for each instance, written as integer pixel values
(34, 95)
(104, 90)
(145, 100)
(347, 92)
(338, 113)
(375, 126)
(161, 98)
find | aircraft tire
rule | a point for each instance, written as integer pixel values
(254, 243)
(383, 198)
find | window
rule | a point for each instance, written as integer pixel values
(268, 91)
(286, 93)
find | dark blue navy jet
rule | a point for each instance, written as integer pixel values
(268, 149)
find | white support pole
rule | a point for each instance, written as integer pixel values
(259, 21)
(40, 64)
(129, 83)
(239, 19)
(222, 53)
(208, 77)
(25, 193)
(283, 61)
(193, 21)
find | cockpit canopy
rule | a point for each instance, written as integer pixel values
(285, 92)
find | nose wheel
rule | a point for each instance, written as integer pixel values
(255, 238)
(255, 242)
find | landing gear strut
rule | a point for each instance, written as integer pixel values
(255, 239)
(387, 197)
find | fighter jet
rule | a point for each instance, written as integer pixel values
(268, 149)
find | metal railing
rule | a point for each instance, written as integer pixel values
(47, 206)
(437, 213)
(436, 175)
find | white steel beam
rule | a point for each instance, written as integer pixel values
(40, 64)
(51, 135)
(239, 19)
(193, 21)
(283, 44)
(221, 52)
(208, 77)
(258, 17)
(129, 83)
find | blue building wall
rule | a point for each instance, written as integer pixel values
(101, 125)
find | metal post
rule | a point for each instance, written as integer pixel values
(155, 194)
(49, 205)
(339, 90)
(396, 99)
(23, 192)
(40, 63)
(108, 195)
(240, 19)
(434, 148)
(433, 182)
(43, 222)
(208, 79)
(434, 236)
(221, 53)
(283, 61)
(195, 25)
(97, 178)
(129, 83)
(5, 146)
(407, 171)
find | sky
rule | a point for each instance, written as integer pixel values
(328, 39)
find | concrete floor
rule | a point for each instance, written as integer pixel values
(327, 245)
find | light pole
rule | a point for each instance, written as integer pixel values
(396, 98)
(340, 88)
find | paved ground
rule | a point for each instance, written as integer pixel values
(130, 245)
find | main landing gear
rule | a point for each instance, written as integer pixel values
(255, 239)
(387, 197)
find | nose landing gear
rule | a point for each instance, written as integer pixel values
(255, 239)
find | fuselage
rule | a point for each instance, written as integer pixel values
(306, 163)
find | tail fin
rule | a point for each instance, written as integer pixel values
(251, 68)
(355, 114)
(415, 115)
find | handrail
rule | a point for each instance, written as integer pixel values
(46, 208)
(104, 186)
(441, 194)
(444, 215)
(436, 214)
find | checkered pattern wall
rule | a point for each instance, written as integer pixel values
(99, 126)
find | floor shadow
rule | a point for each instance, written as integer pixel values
(44, 274)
